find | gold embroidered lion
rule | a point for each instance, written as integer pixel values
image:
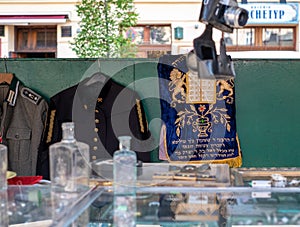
(225, 85)
(177, 86)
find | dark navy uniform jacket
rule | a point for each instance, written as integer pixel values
(101, 110)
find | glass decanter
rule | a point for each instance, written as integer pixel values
(69, 162)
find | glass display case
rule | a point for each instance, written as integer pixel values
(167, 174)
(34, 205)
(184, 206)
(258, 177)
(203, 195)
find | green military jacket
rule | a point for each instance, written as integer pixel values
(23, 116)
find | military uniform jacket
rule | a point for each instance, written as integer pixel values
(101, 111)
(23, 120)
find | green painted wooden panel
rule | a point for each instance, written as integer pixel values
(267, 93)
(266, 98)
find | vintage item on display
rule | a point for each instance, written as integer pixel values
(69, 163)
(35, 206)
(21, 124)
(172, 207)
(26, 206)
(270, 209)
(169, 174)
(222, 208)
(266, 177)
(198, 114)
(198, 206)
(124, 184)
(98, 106)
(168, 206)
(158, 206)
(199, 174)
(197, 93)
(124, 167)
(223, 15)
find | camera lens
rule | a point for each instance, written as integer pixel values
(243, 17)
(235, 17)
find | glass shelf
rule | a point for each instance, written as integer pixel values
(161, 204)
(185, 206)
(35, 206)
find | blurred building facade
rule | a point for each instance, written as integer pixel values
(32, 28)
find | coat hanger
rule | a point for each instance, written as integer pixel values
(97, 77)
(6, 77)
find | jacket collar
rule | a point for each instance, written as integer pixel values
(13, 91)
(94, 89)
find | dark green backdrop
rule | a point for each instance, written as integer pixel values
(266, 98)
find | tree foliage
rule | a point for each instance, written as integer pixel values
(102, 28)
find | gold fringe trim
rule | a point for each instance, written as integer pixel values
(139, 110)
(51, 123)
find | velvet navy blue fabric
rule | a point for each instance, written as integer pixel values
(196, 132)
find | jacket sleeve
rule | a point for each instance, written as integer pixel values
(39, 131)
(49, 137)
(143, 143)
(60, 110)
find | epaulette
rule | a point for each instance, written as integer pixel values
(142, 120)
(51, 123)
(32, 96)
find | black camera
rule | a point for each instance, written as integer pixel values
(224, 15)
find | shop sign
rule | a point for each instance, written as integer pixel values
(272, 13)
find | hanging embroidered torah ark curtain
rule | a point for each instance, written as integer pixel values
(198, 114)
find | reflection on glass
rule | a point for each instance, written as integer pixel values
(157, 53)
(27, 204)
(124, 210)
(149, 34)
(24, 40)
(40, 42)
(236, 208)
(229, 39)
(51, 39)
(3, 208)
(248, 35)
(261, 37)
(46, 39)
(135, 34)
(160, 35)
(3, 167)
(278, 37)
(241, 37)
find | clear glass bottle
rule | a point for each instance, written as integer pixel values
(124, 161)
(125, 175)
(69, 162)
(4, 208)
(3, 167)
